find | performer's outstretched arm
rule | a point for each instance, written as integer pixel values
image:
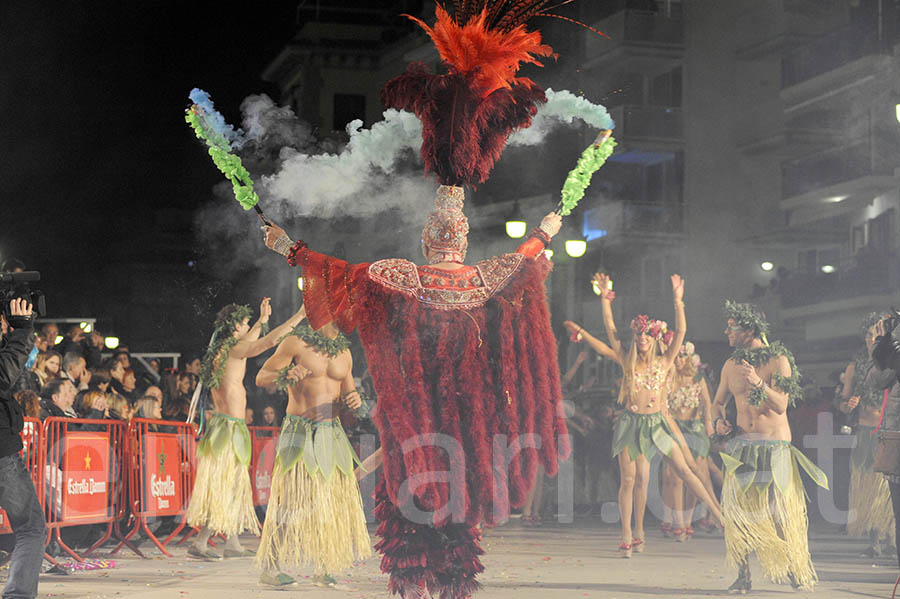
(597, 345)
(250, 348)
(540, 237)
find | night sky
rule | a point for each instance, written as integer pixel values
(93, 144)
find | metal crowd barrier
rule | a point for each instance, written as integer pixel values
(159, 469)
(81, 463)
(264, 441)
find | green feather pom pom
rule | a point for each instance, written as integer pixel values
(580, 177)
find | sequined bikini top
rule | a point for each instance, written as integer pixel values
(685, 398)
(651, 379)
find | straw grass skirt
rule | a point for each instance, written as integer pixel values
(870, 493)
(764, 509)
(315, 512)
(222, 498)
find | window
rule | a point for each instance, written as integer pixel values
(880, 231)
(346, 108)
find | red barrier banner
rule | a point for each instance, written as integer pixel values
(162, 474)
(5, 528)
(264, 451)
(85, 465)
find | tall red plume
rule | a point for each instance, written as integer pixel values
(468, 113)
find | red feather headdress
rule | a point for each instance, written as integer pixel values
(468, 113)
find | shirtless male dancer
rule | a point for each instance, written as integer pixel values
(763, 500)
(222, 499)
(315, 511)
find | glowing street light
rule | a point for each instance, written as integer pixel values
(300, 283)
(828, 269)
(767, 266)
(897, 108)
(516, 228)
(549, 254)
(58, 340)
(111, 342)
(86, 327)
(576, 247)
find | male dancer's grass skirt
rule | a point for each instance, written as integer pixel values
(222, 498)
(642, 434)
(315, 512)
(870, 494)
(764, 509)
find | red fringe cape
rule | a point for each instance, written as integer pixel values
(480, 386)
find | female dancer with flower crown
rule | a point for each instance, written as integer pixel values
(645, 427)
(690, 405)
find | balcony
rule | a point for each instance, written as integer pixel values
(618, 222)
(771, 27)
(858, 170)
(648, 123)
(832, 65)
(636, 37)
(855, 281)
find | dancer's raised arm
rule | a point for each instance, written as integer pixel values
(680, 321)
(602, 281)
(598, 346)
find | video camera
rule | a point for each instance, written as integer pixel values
(15, 285)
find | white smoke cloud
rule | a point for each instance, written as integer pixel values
(378, 168)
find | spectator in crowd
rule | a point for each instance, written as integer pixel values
(178, 406)
(149, 407)
(119, 408)
(193, 366)
(57, 398)
(269, 416)
(47, 366)
(40, 342)
(99, 380)
(92, 405)
(92, 348)
(129, 384)
(12, 265)
(74, 369)
(154, 392)
(50, 332)
(72, 340)
(123, 357)
(30, 402)
(248, 416)
(117, 375)
(155, 366)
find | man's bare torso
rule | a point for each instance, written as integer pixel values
(756, 421)
(314, 396)
(230, 397)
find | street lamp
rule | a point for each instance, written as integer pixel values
(516, 227)
(576, 247)
(828, 268)
(111, 342)
(300, 283)
(767, 266)
(897, 108)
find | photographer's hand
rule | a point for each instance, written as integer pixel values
(20, 307)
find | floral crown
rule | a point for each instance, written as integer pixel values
(748, 317)
(658, 329)
(687, 349)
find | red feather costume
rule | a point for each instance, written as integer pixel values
(463, 361)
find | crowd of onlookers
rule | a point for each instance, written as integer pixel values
(69, 376)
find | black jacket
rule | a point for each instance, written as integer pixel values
(14, 349)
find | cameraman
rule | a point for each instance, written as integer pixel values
(17, 495)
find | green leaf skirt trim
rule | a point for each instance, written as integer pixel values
(322, 446)
(225, 432)
(862, 457)
(694, 432)
(642, 434)
(763, 462)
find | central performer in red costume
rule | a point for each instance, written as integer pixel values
(463, 358)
